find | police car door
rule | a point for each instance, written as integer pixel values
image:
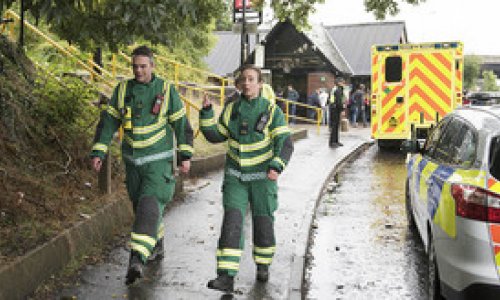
(441, 167)
(421, 182)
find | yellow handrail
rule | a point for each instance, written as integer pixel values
(59, 47)
(317, 120)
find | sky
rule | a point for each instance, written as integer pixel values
(474, 22)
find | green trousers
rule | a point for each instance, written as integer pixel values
(150, 187)
(237, 195)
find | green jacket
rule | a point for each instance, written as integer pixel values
(250, 153)
(147, 137)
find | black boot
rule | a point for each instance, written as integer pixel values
(134, 269)
(262, 273)
(157, 253)
(223, 282)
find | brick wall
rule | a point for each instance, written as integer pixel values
(319, 80)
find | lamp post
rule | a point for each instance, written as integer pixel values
(243, 34)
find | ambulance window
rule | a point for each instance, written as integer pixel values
(446, 146)
(393, 69)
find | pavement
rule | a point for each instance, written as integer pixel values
(192, 230)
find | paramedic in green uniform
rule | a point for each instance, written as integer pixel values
(259, 148)
(150, 112)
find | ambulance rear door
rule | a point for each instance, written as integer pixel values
(393, 97)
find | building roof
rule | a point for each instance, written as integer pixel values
(355, 40)
(318, 35)
(224, 58)
(346, 47)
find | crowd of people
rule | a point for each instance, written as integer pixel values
(356, 104)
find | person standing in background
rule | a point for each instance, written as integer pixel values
(292, 95)
(336, 109)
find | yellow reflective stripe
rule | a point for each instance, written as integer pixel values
(150, 128)
(279, 161)
(207, 122)
(227, 113)
(161, 231)
(264, 250)
(100, 147)
(176, 116)
(146, 143)
(143, 238)
(113, 112)
(263, 260)
(279, 130)
(140, 248)
(228, 265)
(222, 130)
(187, 148)
(273, 108)
(250, 147)
(122, 90)
(164, 106)
(248, 162)
(229, 252)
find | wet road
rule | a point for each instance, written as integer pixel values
(361, 247)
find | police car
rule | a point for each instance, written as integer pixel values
(453, 202)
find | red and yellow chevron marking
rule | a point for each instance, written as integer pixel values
(374, 98)
(430, 85)
(392, 109)
(495, 240)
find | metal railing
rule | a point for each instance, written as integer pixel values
(287, 103)
(62, 50)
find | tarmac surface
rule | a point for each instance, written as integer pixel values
(192, 229)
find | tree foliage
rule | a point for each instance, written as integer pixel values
(225, 22)
(472, 66)
(117, 23)
(380, 8)
(298, 10)
(490, 81)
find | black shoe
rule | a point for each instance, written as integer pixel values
(340, 144)
(157, 253)
(223, 282)
(134, 271)
(262, 273)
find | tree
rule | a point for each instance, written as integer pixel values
(225, 22)
(115, 23)
(472, 66)
(380, 8)
(490, 81)
(298, 11)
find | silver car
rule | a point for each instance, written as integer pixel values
(453, 202)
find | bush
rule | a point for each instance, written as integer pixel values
(65, 105)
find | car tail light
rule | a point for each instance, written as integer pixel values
(466, 101)
(476, 203)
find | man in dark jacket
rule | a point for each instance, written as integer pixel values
(336, 107)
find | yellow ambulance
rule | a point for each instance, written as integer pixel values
(412, 87)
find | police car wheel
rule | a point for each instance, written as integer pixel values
(433, 280)
(409, 211)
